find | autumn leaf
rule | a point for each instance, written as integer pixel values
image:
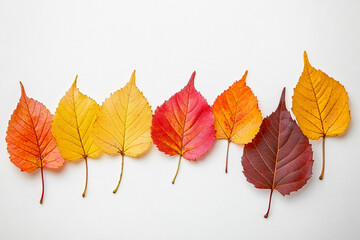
(72, 127)
(184, 125)
(280, 156)
(123, 124)
(320, 105)
(31, 144)
(237, 115)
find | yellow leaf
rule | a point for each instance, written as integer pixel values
(123, 123)
(72, 126)
(320, 104)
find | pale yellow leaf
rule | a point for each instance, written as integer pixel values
(123, 123)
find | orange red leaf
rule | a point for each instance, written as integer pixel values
(31, 144)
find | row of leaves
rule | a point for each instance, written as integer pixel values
(277, 153)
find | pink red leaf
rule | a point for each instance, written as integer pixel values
(184, 124)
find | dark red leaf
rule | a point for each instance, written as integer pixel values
(280, 156)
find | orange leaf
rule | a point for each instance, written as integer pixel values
(31, 144)
(237, 115)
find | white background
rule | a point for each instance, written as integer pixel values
(45, 44)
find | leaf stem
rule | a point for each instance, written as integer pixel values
(177, 170)
(42, 180)
(86, 181)
(267, 213)
(227, 156)
(323, 165)
(122, 167)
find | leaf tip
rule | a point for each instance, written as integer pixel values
(283, 93)
(306, 60)
(245, 75)
(74, 83)
(282, 98)
(192, 79)
(23, 94)
(132, 79)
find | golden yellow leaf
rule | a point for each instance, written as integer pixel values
(123, 123)
(72, 127)
(320, 104)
